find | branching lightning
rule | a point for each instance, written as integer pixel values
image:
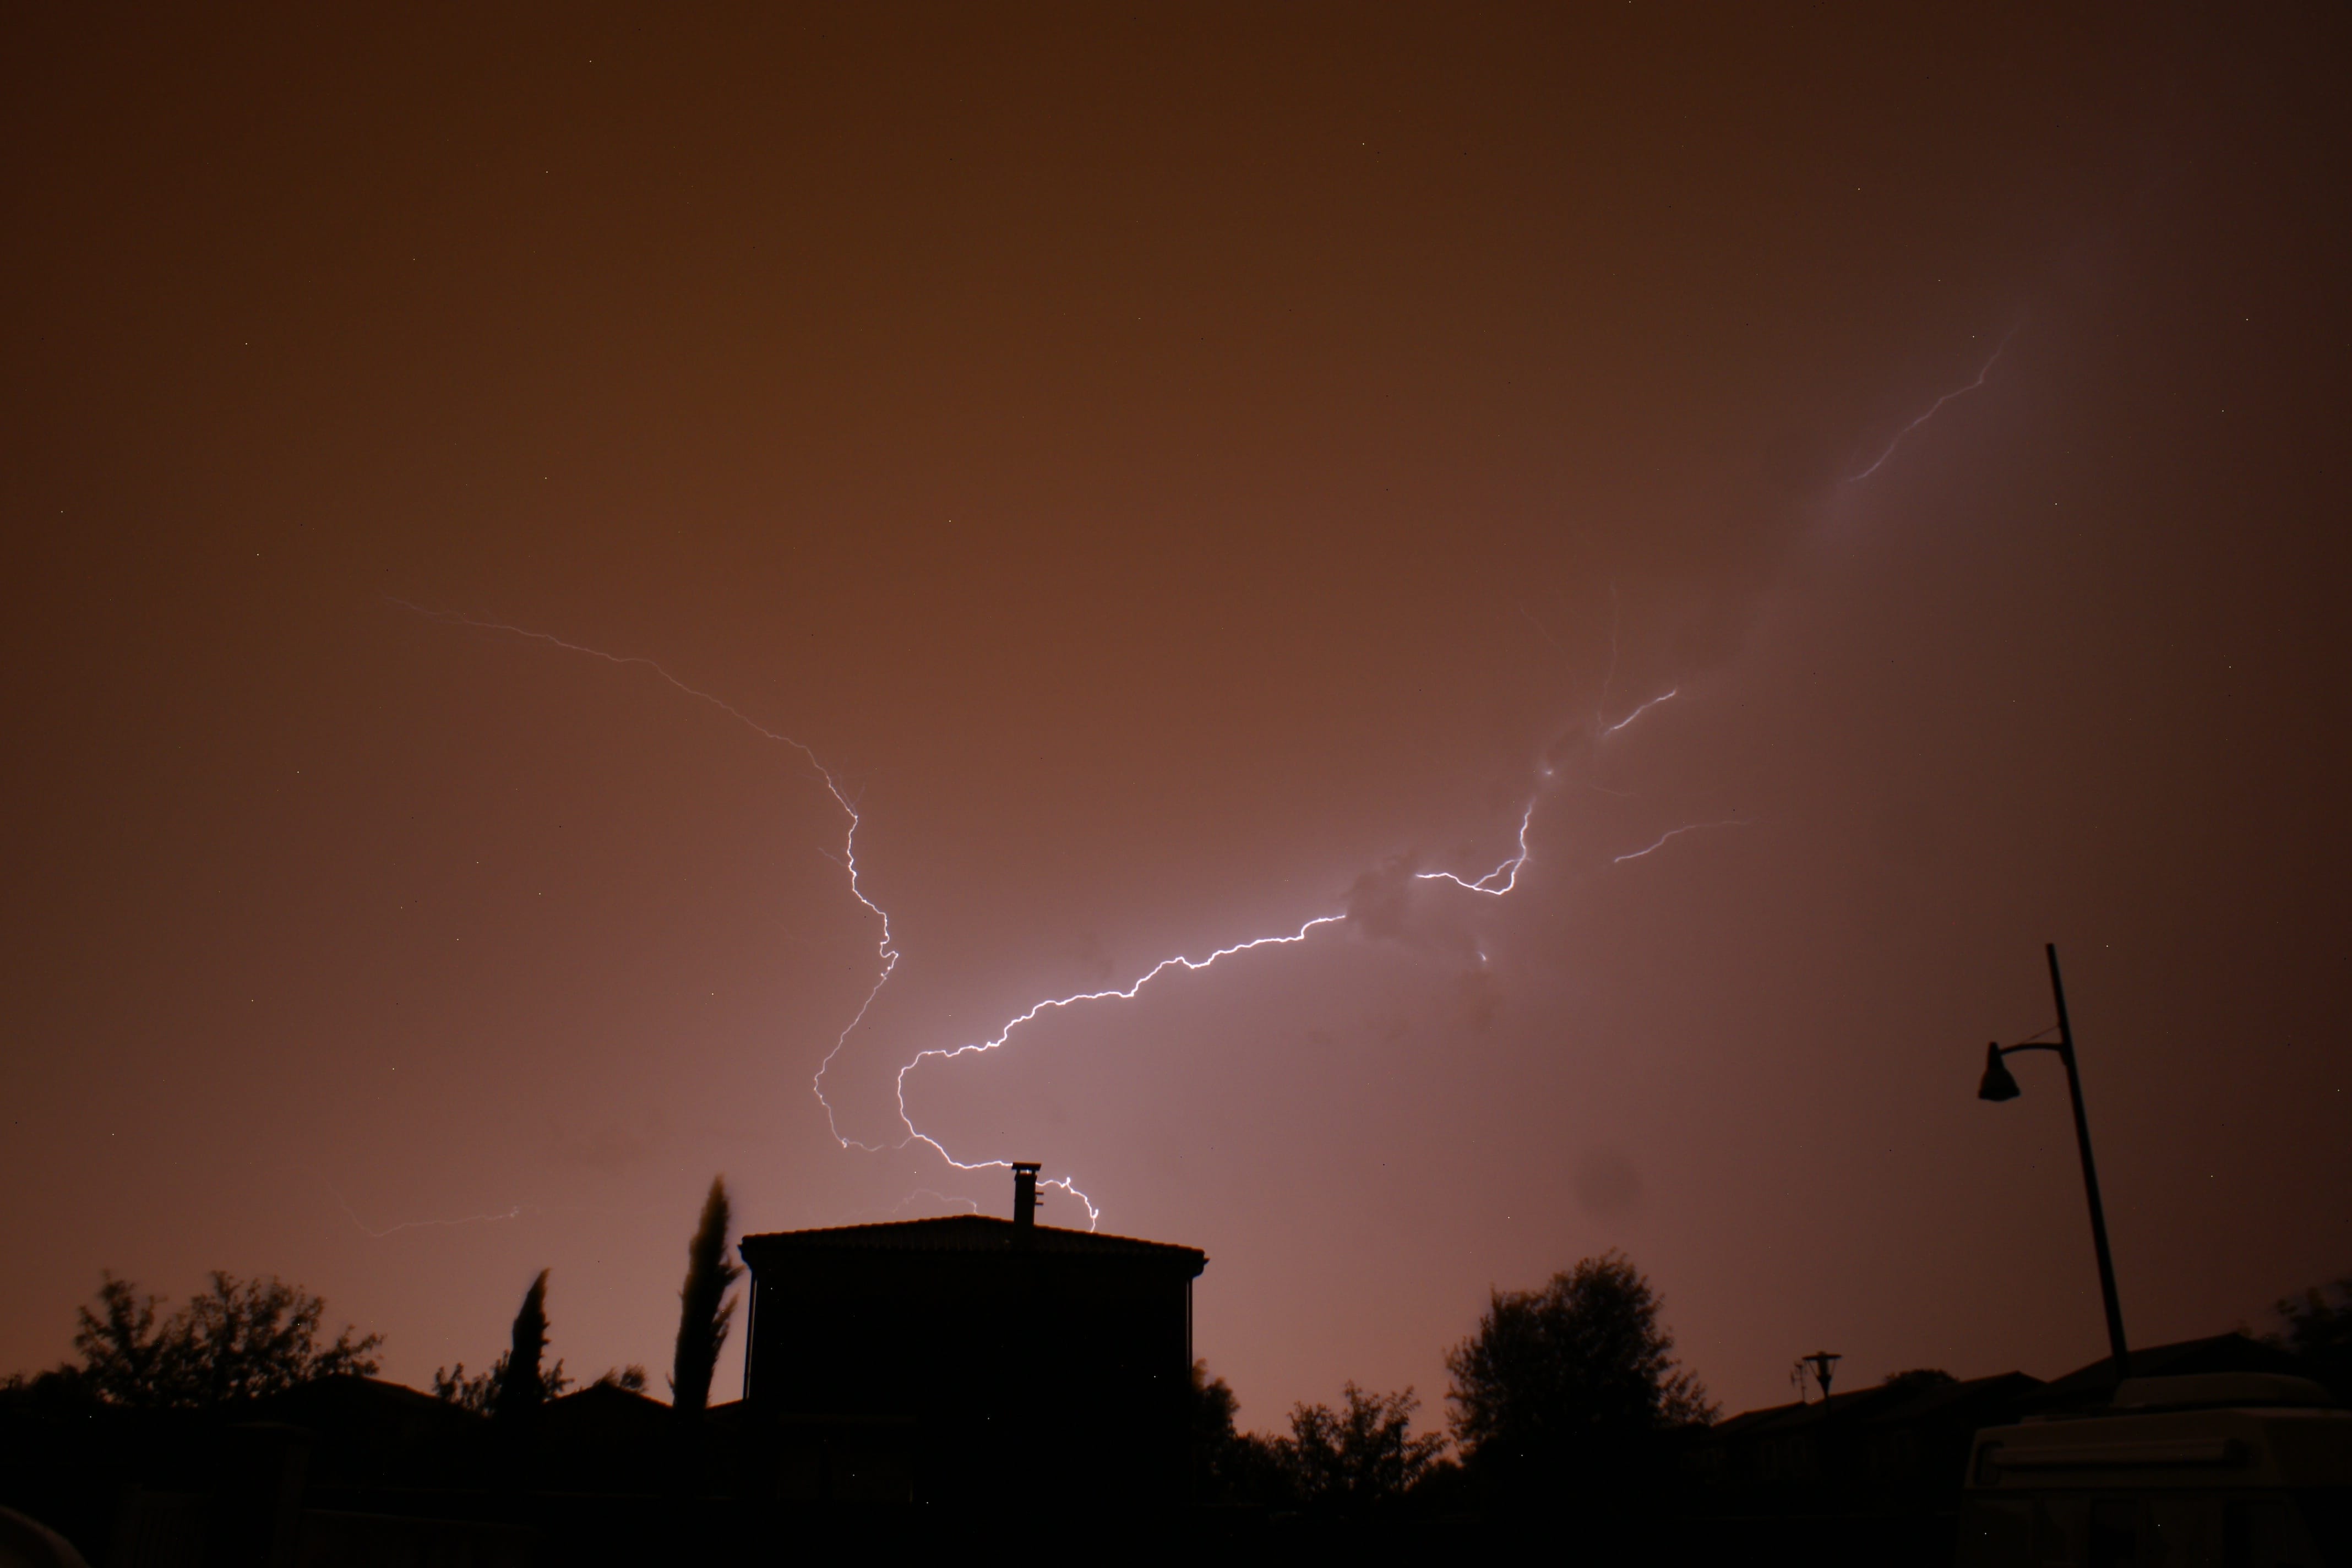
(886, 953)
(1496, 883)
(1509, 870)
(1126, 994)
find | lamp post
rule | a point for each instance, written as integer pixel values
(1998, 1085)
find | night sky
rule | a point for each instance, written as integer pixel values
(1184, 472)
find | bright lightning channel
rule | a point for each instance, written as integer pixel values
(1128, 994)
(1509, 870)
(1495, 883)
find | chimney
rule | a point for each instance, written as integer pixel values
(1024, 1195)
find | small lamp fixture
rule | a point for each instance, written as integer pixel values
(1997, 1084)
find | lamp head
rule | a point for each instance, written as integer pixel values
(1997, 1084)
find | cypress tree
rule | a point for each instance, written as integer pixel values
(704, 1306)
(521, 1389)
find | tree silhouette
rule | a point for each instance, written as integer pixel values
(1230, 1466)
(2320, 1320)
(1919, 1379)
(479, 1393)
(704, 1306)
(519, 1387)
(241, 1339)
(1363, 1456)
(2317, 1326)
(1572, 1387)
(121, 1356)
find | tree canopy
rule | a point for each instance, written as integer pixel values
(2320, 1320)
(2317, 1326)
(240, 1339)
(1362, 1455)
(1919, 1378)
(1230, 1466)
(1571, 1384)
(520, 1380)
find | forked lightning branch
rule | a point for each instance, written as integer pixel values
(1495, 883)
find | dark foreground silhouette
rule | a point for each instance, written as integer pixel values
(975, 1380)
(353, 1469)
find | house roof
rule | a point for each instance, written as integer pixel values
(1879, 1403)
(345, 1402)
(965, 1233)
(606, 1410)
(1969, 1399)
(2082, 1388)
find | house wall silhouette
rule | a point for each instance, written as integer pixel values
(970, 1359)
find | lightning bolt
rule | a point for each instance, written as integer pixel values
(1509, 870)
(1637, 712)
(1054, 1003)
(516, 1212)
(1496, 883)
(886, 954)
(1956, 392)
(1677, 833)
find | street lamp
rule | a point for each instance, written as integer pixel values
(1999, 1085)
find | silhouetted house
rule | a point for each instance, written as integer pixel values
(971, 1360)
(1876, 1474)
(1892, 1453)
(606, 1438)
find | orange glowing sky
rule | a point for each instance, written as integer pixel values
(1182, 472)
